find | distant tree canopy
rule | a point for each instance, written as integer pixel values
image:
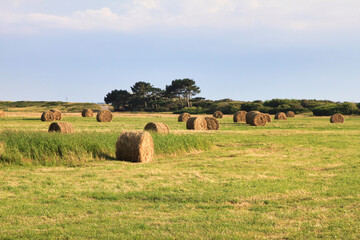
(118, 98)
(145, 96)
(183, 89)
(178, 97)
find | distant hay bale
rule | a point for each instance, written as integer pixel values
(218, 114)
(240, 116)
(257, 119)
(104, 116)
(135, 147)
(47, 116)
(267, 117)
(61, 127)
(280, 116)
(290, 114)
(87, 113)
(337, 118)
(196, 123)
(184, 117)
(2, 114)
(157, 127)
(57, 114)
(249, 116)
(212, 123)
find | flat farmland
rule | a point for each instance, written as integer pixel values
(292, 179)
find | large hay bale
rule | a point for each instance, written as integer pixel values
(240, 116)
(57, 114)
(157, 127)
(184, 117)
(2, 114)
(337, 118)
(290, 114)
(196, 123)
(61, 127)
(212, 123)
(135, 147)
(257, 119)
(87, 113)
(218, 114)
(249, 116)
(47, 116)
(104, 116)
(280, 116)
(267, 117)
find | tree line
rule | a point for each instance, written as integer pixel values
(179, 97)
(145, 96)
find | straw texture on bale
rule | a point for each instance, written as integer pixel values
(2, 114)
(290, 114)
(157, 127)
(135, 147)
(240, 116)
(87, 113)
(267, 117)
(61, 127)
(212, 123)
(280, 116)
(337, 118)
(57, 114)
(104, 116)
(257, 119)
(196, 123)
(47, 116)
(218, 114)
(249, 116)
(184, 117)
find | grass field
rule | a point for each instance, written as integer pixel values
(294, 179)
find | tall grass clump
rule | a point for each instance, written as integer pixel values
(43, 148)
(173, 144)
(24, 148)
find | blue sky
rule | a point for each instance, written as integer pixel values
(244, 50)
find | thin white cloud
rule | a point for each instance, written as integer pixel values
(293, 15)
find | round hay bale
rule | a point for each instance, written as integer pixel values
(218, 114)
(337, 118)
(135, 147)
(249, 116)
(290, 114)
(2, 114)
(257, 119)
(240, 116)
(280, 116)
(47, 116)
(212, 123)
(184, 117)
(87, 113)
(104, 116)
(157, 127)
(267, 117)
(61, 127)
(57, 114)
(196, 123)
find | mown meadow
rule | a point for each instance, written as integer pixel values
(293, 179)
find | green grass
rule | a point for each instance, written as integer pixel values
(294, 179)
(31, 148)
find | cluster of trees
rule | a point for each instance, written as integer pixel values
(146, 97)
(317, 107)
(178, 97)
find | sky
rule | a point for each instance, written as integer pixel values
(247, 50)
